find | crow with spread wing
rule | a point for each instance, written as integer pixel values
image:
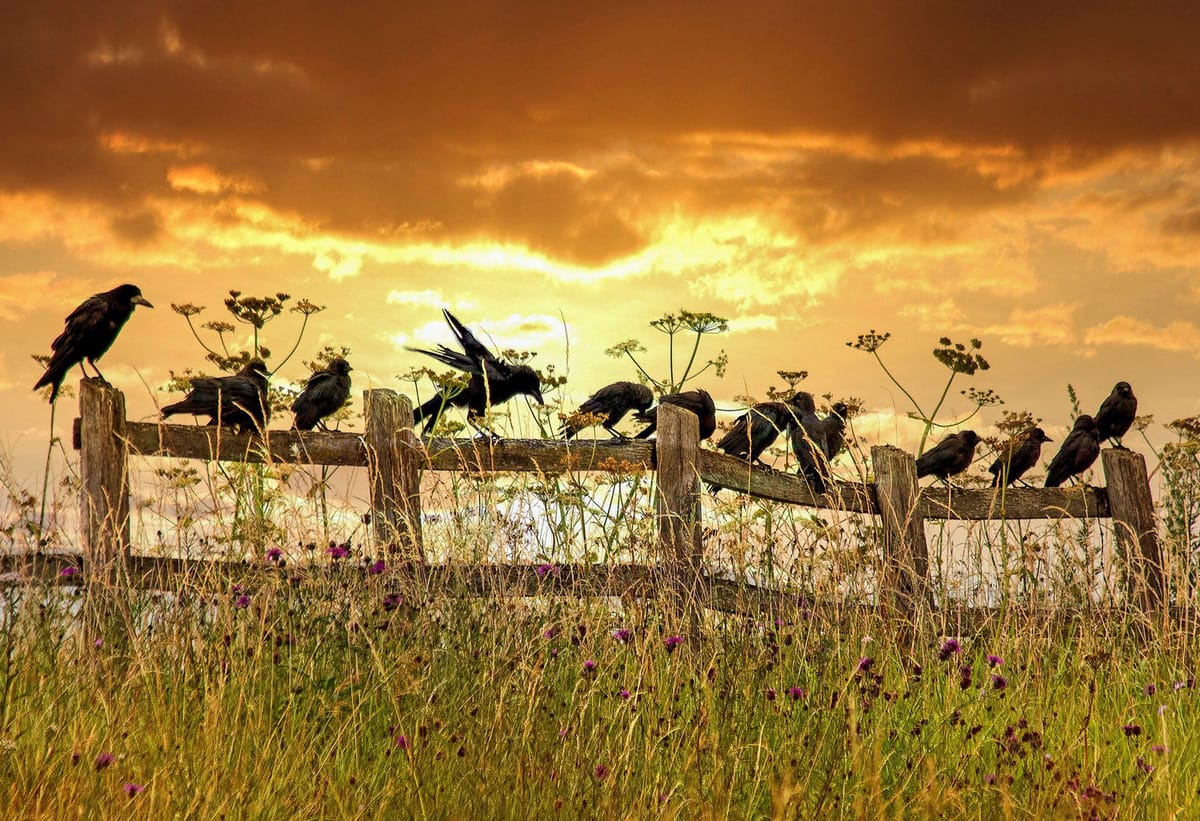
(612, 402)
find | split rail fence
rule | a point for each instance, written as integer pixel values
(395, 459)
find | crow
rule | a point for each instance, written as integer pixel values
(835, 429)
(698, 402)
(1079, 450)
(324, 394)
(239, 401)
(612, 402)
(91, 330)
(1116, 413)
(810, 441)
(948, 457)
(1018, 455)
(757, 429)
(493, 380)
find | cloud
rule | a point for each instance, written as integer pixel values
(1178, 335)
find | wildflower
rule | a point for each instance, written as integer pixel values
(103, 760)
(551, 632)
(864, 664)
(377, 568)
(98, 643)
(796, 693)
(623, 635)
(402, 742)
(1179, 685)
(1150, 689)
(949, 648)
(68, 572)
(995, 661)
(990, 778)
(544, 570)
(242, 601)
(562, 733)
(237, 588)
(672, 642)
(1143, 766)
(274, 554)
(391, 601)
(589, 665)
(771, 694)
(1158, 749)
(601, 772)
(132, 789)
(337, 552)
(624, 694)
(1131, 729)
(999, 682)
(964, 680)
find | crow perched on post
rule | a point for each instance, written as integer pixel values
(91, 330)
(698, 402)
(1116, 413)
(757, 429)
(1018, 455)
(835, 429)
(239, 401)
(1079, 450)
(810, 441)
(948, 457)
(613, 402)
(493, 380)
(324, 394)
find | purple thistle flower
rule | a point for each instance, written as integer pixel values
(995, 661)
(391, 601)
(1131, 730)
(1179, 685)
(68, 572)
(98, 643)
(990, 778)
(796, 693)
(601, 772)
(589, 665)
(672, 642)
(949, 648)
(402, 742)
(544, 570)
(624, 694)
(623, 635)
(237, 588)
(242, 601)
(1150, 689)
(132, 789)
(999, 682)
(551, 632)
(1158, 749)
(337, 552)
(274, 554)
(771, 694)
(103, 760)
(376, 568)
(864, 664)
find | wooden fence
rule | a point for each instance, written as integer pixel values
(395, 459)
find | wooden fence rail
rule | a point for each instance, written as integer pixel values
(395, 459)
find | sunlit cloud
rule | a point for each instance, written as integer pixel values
(1178, 335)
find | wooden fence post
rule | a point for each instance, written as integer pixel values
(677, 454)
(104, 498)
(1137, 531)
(394, 467)
(905, 578)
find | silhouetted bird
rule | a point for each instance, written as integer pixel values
(1018, 455)
(324, 394)
(810, 441)
(757, 429)
(835, 429)
(948, 457)
(91, 330)
(1116, 413)
(698, 402)
(493, 380)
(1079, 450)
(239, 401)
(612, 402)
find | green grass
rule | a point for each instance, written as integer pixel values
(295, 706)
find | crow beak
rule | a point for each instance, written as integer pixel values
(141, 300)
(538, 396)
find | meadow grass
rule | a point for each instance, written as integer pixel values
(333, 697)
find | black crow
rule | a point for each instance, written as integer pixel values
(835, 429)
(1117, 413)
(1018, 455)
(948, 457)
(493, 381)
(757, 429)
(91, 330)
(1079, 450)
(612, 402)
(810, 441)
(239, 401)
(698, 402)
(324, 394)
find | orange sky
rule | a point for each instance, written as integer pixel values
(809, 170)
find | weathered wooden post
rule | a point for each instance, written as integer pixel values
(1137, 531)
(677, 454)
(104, 499)
(394, 467)
(904, 582)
